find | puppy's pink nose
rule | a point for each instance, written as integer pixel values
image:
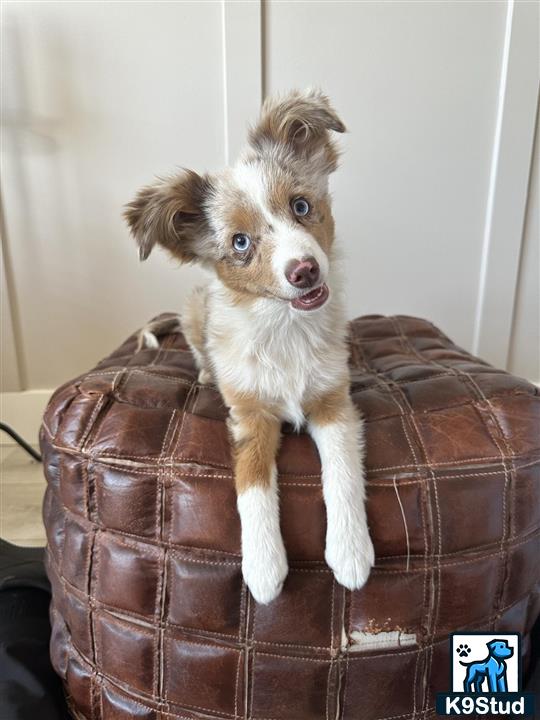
(303, 273)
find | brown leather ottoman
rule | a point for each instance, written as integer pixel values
(151, 618)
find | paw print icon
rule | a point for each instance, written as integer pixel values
(463, 650)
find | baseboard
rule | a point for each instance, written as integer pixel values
(23, 412)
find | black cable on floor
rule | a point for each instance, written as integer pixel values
(21, 441)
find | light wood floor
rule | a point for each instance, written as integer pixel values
(22, 485)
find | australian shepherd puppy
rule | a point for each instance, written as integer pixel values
(270, 329)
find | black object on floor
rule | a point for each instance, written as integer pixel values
(21, 441)
(29, 687)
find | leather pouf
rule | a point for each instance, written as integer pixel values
(151, 619)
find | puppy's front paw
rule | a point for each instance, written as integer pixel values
(264, 570)
(351, 556)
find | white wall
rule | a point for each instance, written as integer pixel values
(525, 347)
(417, 85)
(100, 97)
(10, 377)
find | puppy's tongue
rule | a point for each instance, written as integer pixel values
(312, 300)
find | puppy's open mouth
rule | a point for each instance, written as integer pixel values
(313, 299)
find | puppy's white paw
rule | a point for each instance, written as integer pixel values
(265, 570)
(351, 556)
(264, 561)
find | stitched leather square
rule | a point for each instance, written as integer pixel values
(150, 616)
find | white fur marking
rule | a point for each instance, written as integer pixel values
(294, 243)
(250, 179)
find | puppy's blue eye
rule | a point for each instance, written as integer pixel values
(241, 242)
(300, 207)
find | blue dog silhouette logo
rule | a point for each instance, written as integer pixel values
(491, 670)
(485, 677)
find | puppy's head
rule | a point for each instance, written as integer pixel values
(266, 224)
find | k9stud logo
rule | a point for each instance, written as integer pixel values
(485, 663)
(485, 677)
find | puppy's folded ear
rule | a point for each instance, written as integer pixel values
(172, 214)
(300, 122)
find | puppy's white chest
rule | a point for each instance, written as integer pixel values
(276, 355)
(280, 366)
(273, 365)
